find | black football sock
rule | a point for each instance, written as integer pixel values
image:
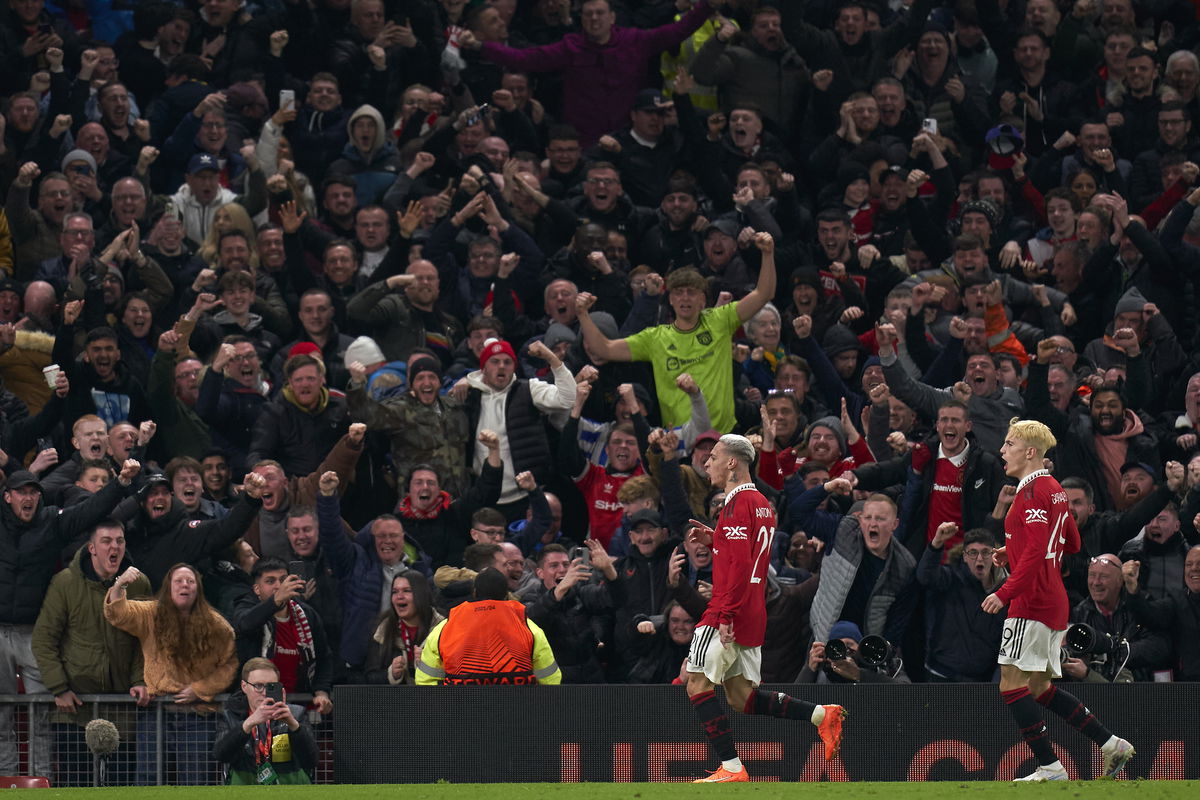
(1077, 715)
(778, 704)
(716, 724)
(1025, 711)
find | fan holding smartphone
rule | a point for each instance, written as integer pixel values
(277, 622)
(263, 742)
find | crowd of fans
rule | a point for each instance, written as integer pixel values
(500, 273)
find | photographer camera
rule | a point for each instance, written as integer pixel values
(1105, 643)
(850, 657)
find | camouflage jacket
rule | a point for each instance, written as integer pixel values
(436, 435)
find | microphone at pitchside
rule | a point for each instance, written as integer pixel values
(101, 737)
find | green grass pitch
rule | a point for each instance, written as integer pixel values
(945, 790)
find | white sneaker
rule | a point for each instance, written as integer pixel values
(1116, 757)
(1046, 774)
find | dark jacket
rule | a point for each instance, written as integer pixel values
(1075, 453)
(156, 545)
(297, 439)
(254, 624)
(575, 625)
(29, 551)
(235, 747)
(119, 399)
(211, 330)
(611, 291)
(396, 326)
(1107, 532)
(445, 536)
(19, 432)
(646, 592)
(317, 138)
(1148, 649)
(181, 430)
(1162, 563)
(230, 409)
(961, 639)
(359, 574)
(657, 657)
(982, 479)
(373, 173)
(1177, 614)
(645, 170)
(627, 218)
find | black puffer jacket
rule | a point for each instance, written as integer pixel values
(156, 545)
(29, 550)
(296, 439)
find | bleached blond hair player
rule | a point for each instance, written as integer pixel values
(1038, 530)
(727, 645)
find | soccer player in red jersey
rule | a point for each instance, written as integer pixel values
(727, 645)
(1038, 530)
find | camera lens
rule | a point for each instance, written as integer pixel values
(836, 650)
(874, 650)
(1085, 639)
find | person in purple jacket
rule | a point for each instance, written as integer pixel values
(603, 67)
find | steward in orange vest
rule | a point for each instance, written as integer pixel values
(487, 641)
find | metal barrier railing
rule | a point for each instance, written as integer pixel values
(162, 743)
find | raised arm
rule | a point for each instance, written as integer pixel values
(920, 397)
(74, 520)
(342, 552)
(764, 291)
(608, 349)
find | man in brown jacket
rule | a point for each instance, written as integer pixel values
(268, 533)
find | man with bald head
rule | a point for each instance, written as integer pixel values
(402, 322)
(1106, 610)
(40, 303)
(128, 201)
(111, 165)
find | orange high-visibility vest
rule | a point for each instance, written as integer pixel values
(487, 642)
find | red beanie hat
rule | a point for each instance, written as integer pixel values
(306, 348)
(495, 347)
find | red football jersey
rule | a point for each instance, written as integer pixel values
(599, 488)
(1038, 530)
(741, 554)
